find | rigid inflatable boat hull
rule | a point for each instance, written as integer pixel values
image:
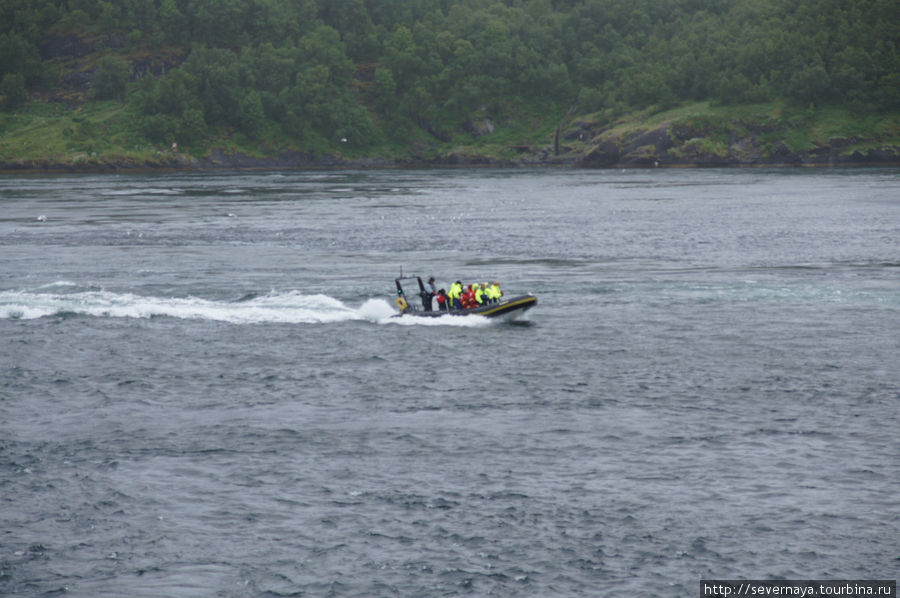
(506, 308)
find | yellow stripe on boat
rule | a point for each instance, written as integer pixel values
(502, 307)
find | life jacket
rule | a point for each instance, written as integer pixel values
(455, 291)
(496, 292)
(453, 295)
(468, 299)
(479, 294)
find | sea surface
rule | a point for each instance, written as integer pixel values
(203, 392)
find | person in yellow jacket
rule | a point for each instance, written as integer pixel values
(456, 290)
(488, 294)
(496, 293)
(479, 293)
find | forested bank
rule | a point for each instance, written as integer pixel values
(757, 81)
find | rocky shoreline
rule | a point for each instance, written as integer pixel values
(666, 146)
(690, 145)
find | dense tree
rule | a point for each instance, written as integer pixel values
(111, 77)
(18, 55)
(321, 68)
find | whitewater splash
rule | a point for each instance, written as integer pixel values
(290, 307)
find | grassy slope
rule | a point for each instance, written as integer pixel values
(722, 131)
(93, 134)
(101, 133)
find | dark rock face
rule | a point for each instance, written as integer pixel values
(657, 138)
(478, 128)
(76, 80)
(605, 154)
(690, 145)
(64, 46)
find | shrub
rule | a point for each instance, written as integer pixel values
(12, 88)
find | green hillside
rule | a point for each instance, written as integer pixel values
(96, 83)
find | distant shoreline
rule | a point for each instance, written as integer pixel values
(260, 165)
(668, 141)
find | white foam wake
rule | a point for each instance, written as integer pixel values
(290, 307)
(379, 310)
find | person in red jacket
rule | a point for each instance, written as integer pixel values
(442, 300)
(468, 298)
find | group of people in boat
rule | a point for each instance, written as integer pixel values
(460, 296)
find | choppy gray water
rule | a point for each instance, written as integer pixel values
(202, 392)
